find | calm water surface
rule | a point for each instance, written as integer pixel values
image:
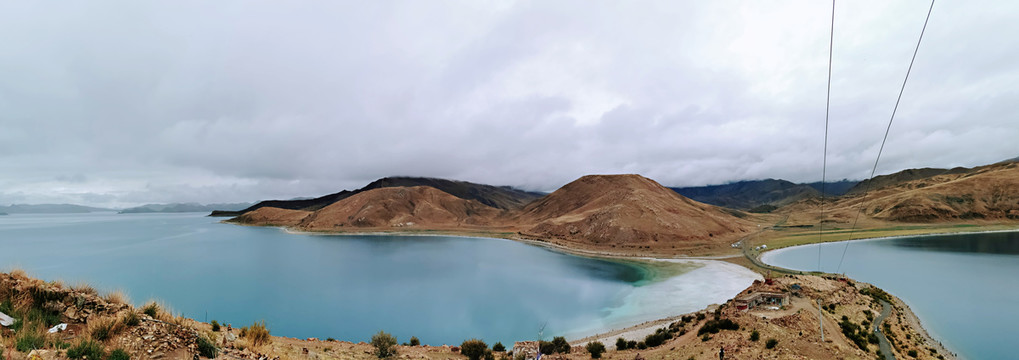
(440, 289)
(963, 287)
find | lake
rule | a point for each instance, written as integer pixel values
(963, 287)
(441, 289)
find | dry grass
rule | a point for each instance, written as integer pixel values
(257, 334)
(105, 328)
(117, 297)
(158, 311)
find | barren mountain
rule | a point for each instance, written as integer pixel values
(628, 211)
(388, 207)
(502, 197)
(988, 192)
(270, 216)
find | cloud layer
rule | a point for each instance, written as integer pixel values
(116, 103)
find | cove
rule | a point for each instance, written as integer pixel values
(441, 289)
(962, 286)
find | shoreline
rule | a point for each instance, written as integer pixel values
(911, 317)
(650, 326)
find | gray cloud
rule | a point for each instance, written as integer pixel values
(124, 103)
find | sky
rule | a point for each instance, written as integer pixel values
(123, 103)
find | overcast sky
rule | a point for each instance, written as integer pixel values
(131, 102)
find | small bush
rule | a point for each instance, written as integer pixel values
(385, 344)
(497, 347)
(755, 335)
(473, 349)
(621, 344)
(714, 326)
(560, 345)
(90, 349)
(258, 334)
(706, 337)
(119, 354)
(596, 348)
(30, 340)
(151, 309)
(131, 318)
(641, 346)
(105, 328)
(700, 316)
(215, 326)
(206, 347)
(770, 344)
(912, 353)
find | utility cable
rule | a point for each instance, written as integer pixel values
(887, 130)
(824, 153)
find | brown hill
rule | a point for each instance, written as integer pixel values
(988, 192)
(387, 207)
(629, 211)
(501, 197)
(270, 216)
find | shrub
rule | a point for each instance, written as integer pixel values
(206, 347)
(473, 349)
(215, 326)
(385, 344)
(415, 342)
(105, 328)
(119, 354)
(596, 348)
(700, 316)
(755, 335)
(632, 344)
(131, 318)
(912, 353)
(560, 345)
(706, 337)
(497, 347)
(621, 344)
(714, 326)
(770, 344)
(30, 340)
(151, 309)
(258, 334)
(658, 338)
(641, 346)
(90, 349)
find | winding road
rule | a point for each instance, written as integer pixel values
(886, 348)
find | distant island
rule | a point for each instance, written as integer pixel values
(183, 207)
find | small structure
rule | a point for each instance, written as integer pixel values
(755, 299)
(795, 289)
(527, 348)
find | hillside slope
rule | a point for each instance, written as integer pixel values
(410, 207)
(985, 193)
(628, 211)
(501, 197)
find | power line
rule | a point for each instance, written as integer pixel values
(887, 130)
(824, 154)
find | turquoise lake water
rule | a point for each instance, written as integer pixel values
(963, 287)
(441, 289)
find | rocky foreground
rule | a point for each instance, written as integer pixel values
(107, 327)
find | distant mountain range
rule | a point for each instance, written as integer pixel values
(183, 207)
(633, 214)
(761, 195)
(50, 209)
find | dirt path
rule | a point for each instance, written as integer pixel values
(886, 348)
